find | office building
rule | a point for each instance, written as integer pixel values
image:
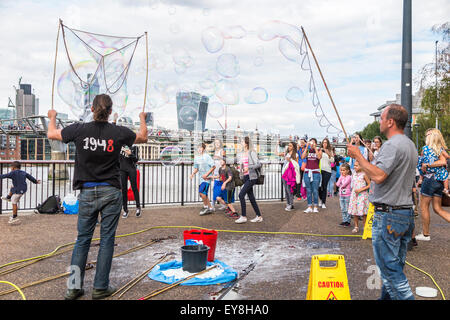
(27, 104)
(192, 108)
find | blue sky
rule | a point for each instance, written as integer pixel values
(357, 43)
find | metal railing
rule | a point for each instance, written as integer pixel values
(159, 183)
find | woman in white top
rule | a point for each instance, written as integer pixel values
(376, 146)
(325, 168)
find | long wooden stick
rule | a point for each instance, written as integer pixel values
(54, 65)
(158, 291)
(326, 87)
(88, 266)
(134, 281)
(146, 73)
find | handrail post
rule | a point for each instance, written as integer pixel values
(182, 183)
(1, 187)
(53, 179)
(143, 185)
(281, 181)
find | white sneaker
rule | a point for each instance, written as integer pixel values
(13, 220)
(257, 219)
(323, 206)
(222, 207)
(288, 208)
(308, 210)
(422, 237)
(315, 210)
(241, 219)
(320, 203)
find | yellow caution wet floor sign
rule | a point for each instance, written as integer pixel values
(328, 282)
(369, 220)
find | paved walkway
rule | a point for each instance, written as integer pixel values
(282, 261)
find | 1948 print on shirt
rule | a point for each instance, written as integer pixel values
(92, 144)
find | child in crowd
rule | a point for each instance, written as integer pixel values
(344, 183)
(359, 199)
(204, 164)
(224, 189)
(19, 188)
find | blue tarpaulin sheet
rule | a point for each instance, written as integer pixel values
(221, 274)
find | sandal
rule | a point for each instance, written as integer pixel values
(355, 230)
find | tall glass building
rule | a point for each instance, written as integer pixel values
(192, 108)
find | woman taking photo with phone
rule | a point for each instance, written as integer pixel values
(311, 176)
(325, 168)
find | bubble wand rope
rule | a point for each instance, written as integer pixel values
(54, 65)
(146, 73)
(326, 87)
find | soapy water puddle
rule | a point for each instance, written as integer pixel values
(281, 258)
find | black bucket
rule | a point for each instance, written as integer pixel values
(194, 257)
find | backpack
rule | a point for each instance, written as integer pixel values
(50, 206)
(236, 177)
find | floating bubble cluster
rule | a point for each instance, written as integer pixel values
(228, 65)
(97, 64)
(216, 109)
(258, 95)
(294, 94)
(171, 156)
(231, 59)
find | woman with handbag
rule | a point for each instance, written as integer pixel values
(301, 191)
(250, 171)
(290, 175)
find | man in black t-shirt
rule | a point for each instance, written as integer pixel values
(128, 170)
(96, 174)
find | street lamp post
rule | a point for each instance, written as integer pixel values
(406, 81)
(416, 128)
(436, 84)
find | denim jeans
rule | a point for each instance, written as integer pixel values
(391, 232)
(344, 202)
(312, 188)
(332, 182)
(247, 189)
(289, 194)
(108, 201)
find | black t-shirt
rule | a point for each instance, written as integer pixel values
(128, 162)
(98, 146)
(224, 174)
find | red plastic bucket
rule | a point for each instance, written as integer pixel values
(208, 237)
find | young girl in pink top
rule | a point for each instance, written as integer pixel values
(345, 189)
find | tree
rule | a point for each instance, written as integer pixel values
(372, 130)
(435, 83)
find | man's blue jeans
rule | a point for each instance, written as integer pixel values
(391, 232)
(312, 188)
(108, 201)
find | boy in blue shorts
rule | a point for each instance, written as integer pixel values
(204, 164)
(224, 189)
(19, 188)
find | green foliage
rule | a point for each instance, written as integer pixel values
(372, 130)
